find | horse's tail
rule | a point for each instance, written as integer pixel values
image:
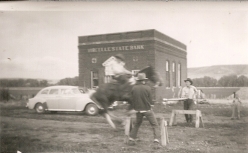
(93, 98)
(91, 92)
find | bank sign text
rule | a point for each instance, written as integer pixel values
(119, 48)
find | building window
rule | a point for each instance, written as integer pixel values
(167, 74)
(174, 74)
(179, 75)
(94, 79)
(93, 60)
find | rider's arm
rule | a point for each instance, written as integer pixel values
(126, 71)
(195, 92)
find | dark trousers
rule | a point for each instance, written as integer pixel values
(188, 105)
(139, 119)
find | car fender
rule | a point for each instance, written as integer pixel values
(81, 104)
(32, 102)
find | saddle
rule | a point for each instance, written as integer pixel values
(120, 89)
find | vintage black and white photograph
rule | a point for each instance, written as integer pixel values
(124, 77)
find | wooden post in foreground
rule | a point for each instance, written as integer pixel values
(173, 120)
(198, 119)
(128, 127)
(193, 112)
(164, 132)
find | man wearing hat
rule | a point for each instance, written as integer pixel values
(142, 104)
(236, 106)
(119, 71)
(189, 92)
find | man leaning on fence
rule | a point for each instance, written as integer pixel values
(142, 104)
(189, 92)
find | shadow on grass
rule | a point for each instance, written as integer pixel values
(20, 111)
(10, 144)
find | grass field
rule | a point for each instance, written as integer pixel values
(218, 92)
(210, 92)
(26, 131)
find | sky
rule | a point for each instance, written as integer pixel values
(40, 39)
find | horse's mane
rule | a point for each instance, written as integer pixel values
(150, 73)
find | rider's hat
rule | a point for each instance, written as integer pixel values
(120, 56)
(141, 76)
(188, 79)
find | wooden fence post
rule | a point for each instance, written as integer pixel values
(197, 119)
(164, 132)
(172, 118)
(128, 127)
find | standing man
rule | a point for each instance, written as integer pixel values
(189, 92)
(142, 104)
(236, 106)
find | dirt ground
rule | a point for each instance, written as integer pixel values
(26, 131)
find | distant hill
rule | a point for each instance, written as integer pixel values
(50, 81)
(218, 71)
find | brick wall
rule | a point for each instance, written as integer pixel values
(135, 60)
(157, 49)
(165, 53)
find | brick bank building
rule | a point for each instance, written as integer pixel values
(140, 48)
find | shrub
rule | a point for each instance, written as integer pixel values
(4, 94)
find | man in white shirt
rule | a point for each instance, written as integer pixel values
(236, 106)
(189, 92)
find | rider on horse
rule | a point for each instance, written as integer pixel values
(120, 90)
(120, 73)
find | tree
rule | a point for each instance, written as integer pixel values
(225, 81)
(43, 83)
(69, 81)
(205, 82)
(4, 94)
(242, 81)
(23, 83)
(228, 81)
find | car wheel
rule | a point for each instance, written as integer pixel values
(91, 109)
(39, 108)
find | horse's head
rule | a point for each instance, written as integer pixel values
(152, 75)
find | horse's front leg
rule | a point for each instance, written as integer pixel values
(109, 120)
(105, 112)
(103, 108)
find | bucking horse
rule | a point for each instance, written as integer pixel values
(108, 93)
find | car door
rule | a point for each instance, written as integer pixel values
(68, 100)
(53, 99)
